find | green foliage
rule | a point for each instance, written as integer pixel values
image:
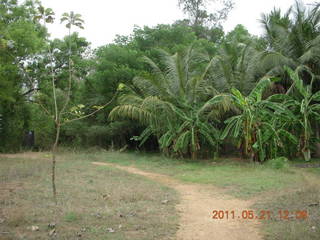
(71, 217)
(186, 88)
(117, 64)
(43, 127)
(169, 105)
(263, 125)
(20, 38)
(72, 19)
(307, 111)
(39, 70)
(293, 39)
(172, 38)
(15, 123)
(278, 163)
(251, 127)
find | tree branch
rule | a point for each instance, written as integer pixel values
(90, 114)
(70, 76)
(30, 91)
(43, 107)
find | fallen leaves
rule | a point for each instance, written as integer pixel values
(34, 228)
(52, 232)
(110, 230)
(165, 201)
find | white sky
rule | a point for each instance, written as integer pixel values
(104, 19)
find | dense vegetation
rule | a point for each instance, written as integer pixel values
(187, 89)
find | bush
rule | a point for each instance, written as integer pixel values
(43, 127)
(278, 163)
(15, 118)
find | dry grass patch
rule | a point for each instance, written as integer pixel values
(307, 199)
(94, 202)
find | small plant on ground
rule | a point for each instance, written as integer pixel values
(278, 163)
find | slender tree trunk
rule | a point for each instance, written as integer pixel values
(318, 137)
(306, 140)
(216, 152)
(53, 169)
(194, 155)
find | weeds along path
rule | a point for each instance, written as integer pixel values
(196, 206)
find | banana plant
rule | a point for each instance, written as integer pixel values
(253, 127)
(307, 108)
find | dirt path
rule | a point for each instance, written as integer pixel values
(196, 206)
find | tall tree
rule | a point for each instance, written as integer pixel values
(199, 16)
(235, 63)
(72, 20)
(60, 93)
(293, 40)
(59, 97)
(20, 38)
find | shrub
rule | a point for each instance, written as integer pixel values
(278, 163)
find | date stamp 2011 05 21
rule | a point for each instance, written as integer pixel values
(260, 215)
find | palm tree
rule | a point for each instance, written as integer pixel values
(234, 67)
(294, 41)
(172, 102)
(72, 19)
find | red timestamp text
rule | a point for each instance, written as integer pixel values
(260, 215)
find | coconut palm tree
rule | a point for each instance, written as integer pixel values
(72, 19)
(234, 67)
(294, 41)
(172, 102)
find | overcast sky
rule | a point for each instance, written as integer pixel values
(104, 19)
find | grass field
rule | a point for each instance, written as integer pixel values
(240, 179)
(106, 203)
(290, 189)
(94, 202)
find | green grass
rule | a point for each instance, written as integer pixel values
(273, 189)
(71, 217)
(240, 179)
(91, 201)
(314, 170)
(301, 160)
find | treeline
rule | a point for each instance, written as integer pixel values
(187, 89)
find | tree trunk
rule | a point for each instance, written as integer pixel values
(317, 153)
(194, 155)
(53, 169)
